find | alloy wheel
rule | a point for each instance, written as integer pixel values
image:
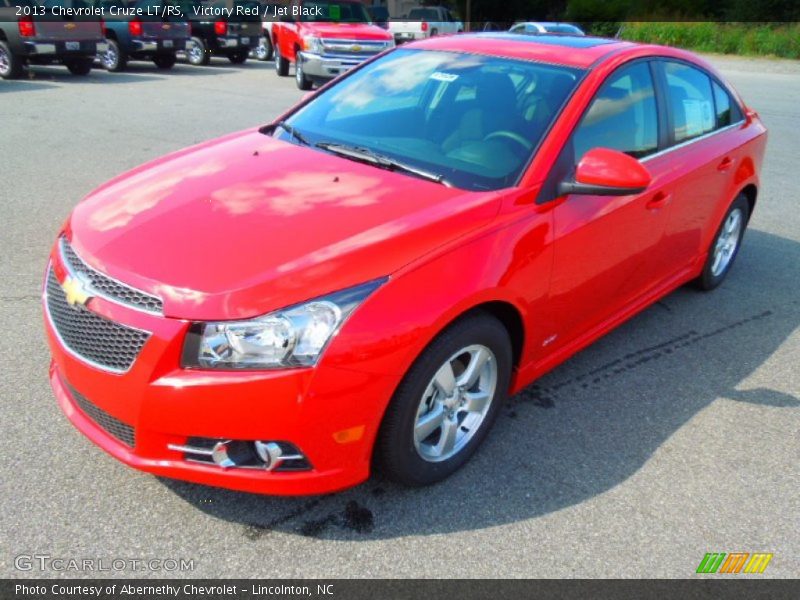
(455, 403)
(110, 57)
(727, 242)
(195, 54)
(5, 62)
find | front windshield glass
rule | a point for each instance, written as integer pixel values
(473, 120)
(337, 12)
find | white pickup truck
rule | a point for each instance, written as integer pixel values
(424, 22)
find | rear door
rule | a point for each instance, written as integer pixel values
(703, 119)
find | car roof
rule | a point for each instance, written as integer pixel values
(569, 50)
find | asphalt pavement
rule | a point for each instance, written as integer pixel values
(676, 435)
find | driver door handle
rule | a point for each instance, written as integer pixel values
(659, 200)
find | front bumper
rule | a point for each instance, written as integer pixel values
(164, 405)
(316, 66)
(64, 48)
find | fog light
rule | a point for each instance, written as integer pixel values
(233, 454)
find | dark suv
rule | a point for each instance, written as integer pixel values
(31, 34)
(232, 36)
(142, 37)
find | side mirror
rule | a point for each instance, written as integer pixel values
(606, 172)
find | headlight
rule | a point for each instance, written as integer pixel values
(313, 44)
(292, 337)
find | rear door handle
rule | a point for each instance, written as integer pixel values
(659, 200)
(726, 164)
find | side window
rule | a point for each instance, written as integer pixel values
(623, 115)
(691, 101)
(728, 111)
(518, 29)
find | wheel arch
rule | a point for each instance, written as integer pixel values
(750, 191)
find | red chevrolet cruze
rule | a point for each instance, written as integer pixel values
(365, 280)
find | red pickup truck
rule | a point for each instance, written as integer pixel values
(324, 39)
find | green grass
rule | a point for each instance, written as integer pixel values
(747, 39)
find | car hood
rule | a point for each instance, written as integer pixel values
(354, 31)
(248, 224)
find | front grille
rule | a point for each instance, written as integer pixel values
(89, 336)
(104, 286)
(111, 425)
(353, 48)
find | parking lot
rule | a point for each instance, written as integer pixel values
(676, 435)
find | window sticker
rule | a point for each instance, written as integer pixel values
(446, 77)
(699, 117)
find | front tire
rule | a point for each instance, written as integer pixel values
(303, 82)
(197, 54)
(447, 402)
(114, 59)
(11, 66)
(725, 246)
(281, 63)
(164, 61)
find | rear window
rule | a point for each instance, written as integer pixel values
(423, 14)
(562, 29)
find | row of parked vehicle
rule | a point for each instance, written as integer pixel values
(322, 38)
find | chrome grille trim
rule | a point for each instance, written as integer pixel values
(344, 47)
(107, 287)
(87, 336)
(108, 423)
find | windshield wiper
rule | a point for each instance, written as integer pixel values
(370, 156)
(293, 132)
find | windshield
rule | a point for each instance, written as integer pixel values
(473, 120)
(339, 12)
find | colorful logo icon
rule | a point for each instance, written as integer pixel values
(734, 562)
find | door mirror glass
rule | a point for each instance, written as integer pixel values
(606, 172)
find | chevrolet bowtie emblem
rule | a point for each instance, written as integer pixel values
(70, 26)
(355, 48)
(165, 27)
(75, 291)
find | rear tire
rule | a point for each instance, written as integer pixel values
(79, 66)
(725, 246)
(11, 66)
(114, 59)
(164, 61)
(264, 50)
(281, 64)
(238, 58)
(439, 414)
(196, 53)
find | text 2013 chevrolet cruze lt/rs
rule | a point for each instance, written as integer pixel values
(365, 280)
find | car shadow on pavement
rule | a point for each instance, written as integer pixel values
(582, 429)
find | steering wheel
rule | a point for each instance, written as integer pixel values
(515, 137)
